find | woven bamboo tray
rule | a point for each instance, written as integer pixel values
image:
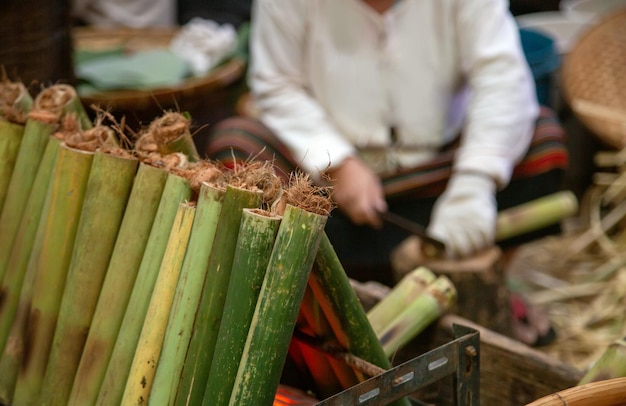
(594, 79)
(611, 392)
(142, 39)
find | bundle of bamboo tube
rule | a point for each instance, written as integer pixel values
(131, 270)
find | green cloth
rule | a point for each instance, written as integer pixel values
(140, 70)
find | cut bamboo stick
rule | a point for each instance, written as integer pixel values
(17, 263)
(24, 259)
(176, 190)
(277, 308)
(187, 298)
(168, 134)
(37, 131)
(419, 314)
(130, 245)
(62, 99)
(10, 139)
(146, 358)
(535, 214)
(257, 234)
(108, 188)
(610, 365)
(15, 101)
(66, 200)
(343, 310)
(411, 285)
(209, 314)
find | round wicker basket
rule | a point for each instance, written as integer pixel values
(194, 94)
(611, 392)
(594, 79)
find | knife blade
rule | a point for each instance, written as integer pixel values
(431, 246)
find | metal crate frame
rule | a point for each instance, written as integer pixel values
(460, 358)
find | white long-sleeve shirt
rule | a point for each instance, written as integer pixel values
(332, 77)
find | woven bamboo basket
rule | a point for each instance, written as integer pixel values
(594, 79)
(611, 392)
(207, 99)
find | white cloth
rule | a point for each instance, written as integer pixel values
(331, 77)
(204, 44)
(465, 214)
(126, 13)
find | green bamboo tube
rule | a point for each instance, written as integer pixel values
(176, 191)
(68, 187)
(277, 308)
(23, 260)
(206, 327)
(118, 283)
(15, 101)
(171, 131)
(343, 309)
(62, 99)
(185, 145)
(535, 214)
(10, 139)
(411, 285)
(108, 188)
(187, 299)
(419, 314)
(150, 342)
(257, 234)
(37, 131)
(610, 365)
(17, 263)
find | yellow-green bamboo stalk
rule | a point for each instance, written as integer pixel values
(168, 134)
(15, 101)
(419, 314)
(10, 139)
(37, 131)
(17, 263)
(343, 310)
(67, 191)
(277, 308)
(116, 290)
(176, 190)
(187, 298)
(411, 285)
(610, 365)
(257, 234)
(108, 188)
(146, 358)
(209, 314)
(23, 260)
(535, 214)
(62, 99)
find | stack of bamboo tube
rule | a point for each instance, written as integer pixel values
(132, 270)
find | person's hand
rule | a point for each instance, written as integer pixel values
(358, 193)
(464, 216)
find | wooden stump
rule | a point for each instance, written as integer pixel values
(480, 281)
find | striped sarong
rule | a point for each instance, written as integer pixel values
(241, 138)
(363, 251)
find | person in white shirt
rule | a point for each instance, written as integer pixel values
(421, 107)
